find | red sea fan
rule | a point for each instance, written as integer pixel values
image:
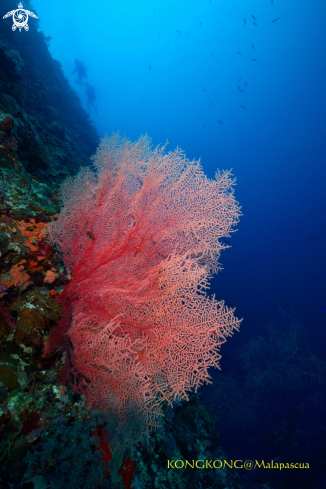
(140, 237)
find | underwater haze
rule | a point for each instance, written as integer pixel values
(240, 85)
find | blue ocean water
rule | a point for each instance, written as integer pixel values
(205, 77)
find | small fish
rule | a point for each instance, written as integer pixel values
(253, 47)
(90, 234)
(143, 101)
(204, 126)
(246, 84)
(187, 34)
(205, 89)
(240, 89)
(220, 122)
(150, 67)
(240, 79)
(211, 103)
(200, 24)
(226, 242)
(211, 54)
(179, 32)
(154, 10)
(272, 2)
(245, 22)
(239, 53)
(254, 59)
(255, 24)
(278, 18)
(311, 237)
(253, 17)
(168, 41)
(242, 107)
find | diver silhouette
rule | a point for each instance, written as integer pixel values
(81, 71)
(90, 93)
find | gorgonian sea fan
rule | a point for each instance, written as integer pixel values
(140, 236)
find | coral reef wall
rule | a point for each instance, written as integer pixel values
(45, 135)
